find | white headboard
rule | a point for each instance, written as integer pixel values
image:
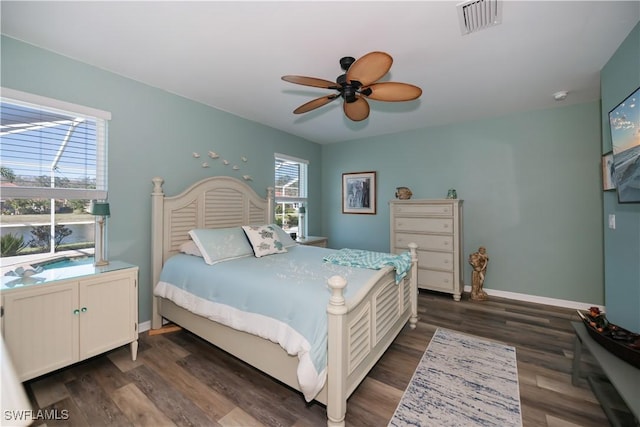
(216, 202)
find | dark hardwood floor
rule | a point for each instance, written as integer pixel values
(181, 380)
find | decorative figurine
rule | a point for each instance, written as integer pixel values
(403, 193)
(479, 261)
(598, 320)
(452, 194)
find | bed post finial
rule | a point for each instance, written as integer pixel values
(337, 285)
(157, 185)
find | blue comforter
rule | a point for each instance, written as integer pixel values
(281, 297)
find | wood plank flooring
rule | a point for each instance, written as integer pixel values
(181, 380)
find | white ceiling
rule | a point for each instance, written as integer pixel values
(231, 55)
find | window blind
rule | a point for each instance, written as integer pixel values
(48, 152)
(291, 178)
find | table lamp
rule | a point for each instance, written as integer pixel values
(101, 211)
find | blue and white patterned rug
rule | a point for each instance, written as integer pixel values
(462, 380)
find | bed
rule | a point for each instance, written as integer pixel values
(359, 328)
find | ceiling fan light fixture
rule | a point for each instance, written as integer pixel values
(346, 62)
(349, 93)
(357, 83)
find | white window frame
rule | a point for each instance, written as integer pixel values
(81, 112)
(302, 198)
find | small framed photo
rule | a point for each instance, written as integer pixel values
(608, 172)
(359, 193)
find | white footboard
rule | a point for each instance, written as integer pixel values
(359, 335)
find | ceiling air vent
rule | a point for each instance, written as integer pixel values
(475, 15)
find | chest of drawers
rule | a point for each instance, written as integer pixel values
(435, 225)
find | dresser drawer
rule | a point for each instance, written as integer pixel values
(435, 260)
(433, 242)
(424, 225)
(413, 209)
(435, 280)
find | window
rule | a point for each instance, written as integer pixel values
(291, 193)
(53, 162)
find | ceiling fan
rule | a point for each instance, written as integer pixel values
(357, 84)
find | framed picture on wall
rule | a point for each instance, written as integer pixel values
(624, 122)
(608, 172)
(359, 193)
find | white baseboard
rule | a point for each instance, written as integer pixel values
(144, 326)
(539, 300)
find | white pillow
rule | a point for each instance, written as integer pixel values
(284, 237)
(190, 248)
(221, 244)
(264, 239)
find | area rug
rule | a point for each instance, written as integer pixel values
(462, 380)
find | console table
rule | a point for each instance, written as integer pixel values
(622, 375)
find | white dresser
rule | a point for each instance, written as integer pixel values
(435, 225)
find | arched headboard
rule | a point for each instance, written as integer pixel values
(216, 202)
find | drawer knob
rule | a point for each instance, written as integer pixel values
(83, 309)
(76, 311)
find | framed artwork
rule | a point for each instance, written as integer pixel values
(359, 193)
(624, 122)
(608, 172)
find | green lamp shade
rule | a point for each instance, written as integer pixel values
(99, 209)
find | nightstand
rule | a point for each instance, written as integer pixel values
(64, 315)
(313, 241)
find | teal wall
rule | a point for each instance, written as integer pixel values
(531, 181)
(154, 133)
(531, 189)
(619, 78)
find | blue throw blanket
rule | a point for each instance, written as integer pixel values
(372, 260)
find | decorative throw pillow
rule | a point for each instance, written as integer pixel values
(264, 239)
(190, 248)
(284, 237)
(221, 244)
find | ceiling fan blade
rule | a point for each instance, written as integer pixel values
(393, 92)
(370, 68)
(315, 103)
(357, 110)
(310, 81)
